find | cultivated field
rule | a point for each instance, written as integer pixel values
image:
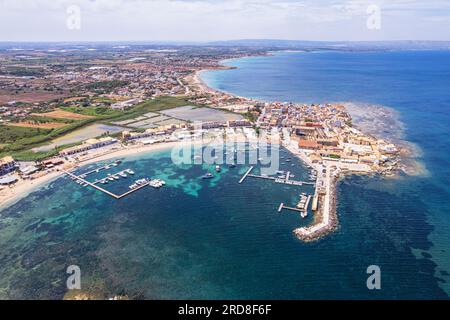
(192, 113)
(29, 97)
(62, 114)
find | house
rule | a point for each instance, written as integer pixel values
(308, 144)
(239, 123)
(28, 170)
(7, 165)
(7, 180)
(88, 145)
(124, 104)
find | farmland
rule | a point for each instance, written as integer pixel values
(47, 131)
(63, 114)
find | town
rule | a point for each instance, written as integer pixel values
(123, 100)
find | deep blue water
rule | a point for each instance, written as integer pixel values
(218, 239)
(411, 214)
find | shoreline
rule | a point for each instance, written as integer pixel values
(11, 195)
(327, 219)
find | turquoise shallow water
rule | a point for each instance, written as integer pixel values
(218, 239)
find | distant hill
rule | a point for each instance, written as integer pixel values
(337, 45)
(264, 44)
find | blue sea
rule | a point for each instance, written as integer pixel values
(217, 239)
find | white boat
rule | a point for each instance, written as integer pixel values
(142, 181)
(157, 183)
(207, 176)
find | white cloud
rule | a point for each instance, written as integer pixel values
(199, 20)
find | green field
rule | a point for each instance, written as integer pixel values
(94, 111)
(10, 134)
(154, 105)
(18, 142)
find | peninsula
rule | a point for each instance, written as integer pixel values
(153, 99)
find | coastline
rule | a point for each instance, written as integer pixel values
(326, 216)
(11, 195)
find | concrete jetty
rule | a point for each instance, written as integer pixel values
(115, 196)
(326, 208)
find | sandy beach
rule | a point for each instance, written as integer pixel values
(10, 195)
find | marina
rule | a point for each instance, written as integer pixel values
(281, 179)
(115, 196)
(284, 178)
(112, 177)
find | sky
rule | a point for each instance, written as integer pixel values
(211, 20)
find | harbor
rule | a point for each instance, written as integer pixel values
(285, 178)
(112, 177)
(280, 179)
